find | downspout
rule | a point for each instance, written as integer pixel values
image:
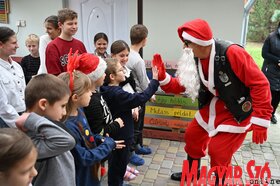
(247, 9)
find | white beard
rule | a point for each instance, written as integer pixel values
(187, 73)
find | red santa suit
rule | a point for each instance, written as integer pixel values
(214, 126)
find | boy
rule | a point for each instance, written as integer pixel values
(30, 64)
(58, 49)
(138, 38)
(47, 95)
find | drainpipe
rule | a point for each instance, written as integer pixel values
(247, 9)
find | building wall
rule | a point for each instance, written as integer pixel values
(24, 10)
(162, 17)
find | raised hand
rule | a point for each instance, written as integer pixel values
(21, 120)
(157, 62)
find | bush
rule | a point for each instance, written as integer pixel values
(260, 23)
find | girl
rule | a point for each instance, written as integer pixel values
(87, 154)
(17, 158)
(120, 50)
(53, 31)
(100, 42)
(120, 103)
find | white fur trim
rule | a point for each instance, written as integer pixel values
(99, 71)
(201, 122)
(200, 42)
(210, 126)
(229, 128)
(260, 122)
(209, 84)
(166, 80)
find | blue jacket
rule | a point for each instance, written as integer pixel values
(121, 102)
(86, 154)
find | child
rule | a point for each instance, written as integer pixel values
(53, 31)
(46, 95)
(17, 158)
(57, 50)
(120, 103)
(12, 80)
(120, 50)
(30, 64)
(86, 153)
(100, 42)
(138, 38)
(97, 112)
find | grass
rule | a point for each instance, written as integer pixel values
(255, 50)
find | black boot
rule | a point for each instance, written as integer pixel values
(178, 175)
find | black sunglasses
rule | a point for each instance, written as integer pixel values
(187, 42)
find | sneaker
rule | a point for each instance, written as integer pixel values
(128, 176)
(136, 160)
(143, 150)
(132, 170)
(273, 119)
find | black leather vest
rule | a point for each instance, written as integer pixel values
(230, 89)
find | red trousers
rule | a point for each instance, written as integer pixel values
(221, 147)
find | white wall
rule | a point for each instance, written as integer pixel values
(34, 12)
(162, 17)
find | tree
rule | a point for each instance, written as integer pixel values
(260, 23)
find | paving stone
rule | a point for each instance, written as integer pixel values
(147, 159)
(164, 171)
(154, 166)
(257, 152)
(161, 151)
(182, 154)
(151, 174)
(275, 172)
(247, 154)
(138, 180)
(172, 150)
(170, 155)
(158, 157)
(269, 156)
(179, 160)
(167, 164)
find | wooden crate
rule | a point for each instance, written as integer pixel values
(168, 117)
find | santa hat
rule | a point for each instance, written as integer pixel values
(91, 65)
(197, 31)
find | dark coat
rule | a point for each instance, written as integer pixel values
(271, 55)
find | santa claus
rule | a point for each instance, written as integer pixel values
(233, 94)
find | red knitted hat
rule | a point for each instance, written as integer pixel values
(91, 65)
(197, 31)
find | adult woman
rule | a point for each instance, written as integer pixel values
(271, 67)
(12, 82)
(17, 158)
(53, 31)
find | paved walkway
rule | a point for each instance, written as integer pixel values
(167, 157)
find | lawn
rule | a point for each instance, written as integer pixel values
(255, 50)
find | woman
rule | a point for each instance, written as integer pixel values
(12, 80)
(271, 67)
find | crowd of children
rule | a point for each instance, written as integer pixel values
(65, 112)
